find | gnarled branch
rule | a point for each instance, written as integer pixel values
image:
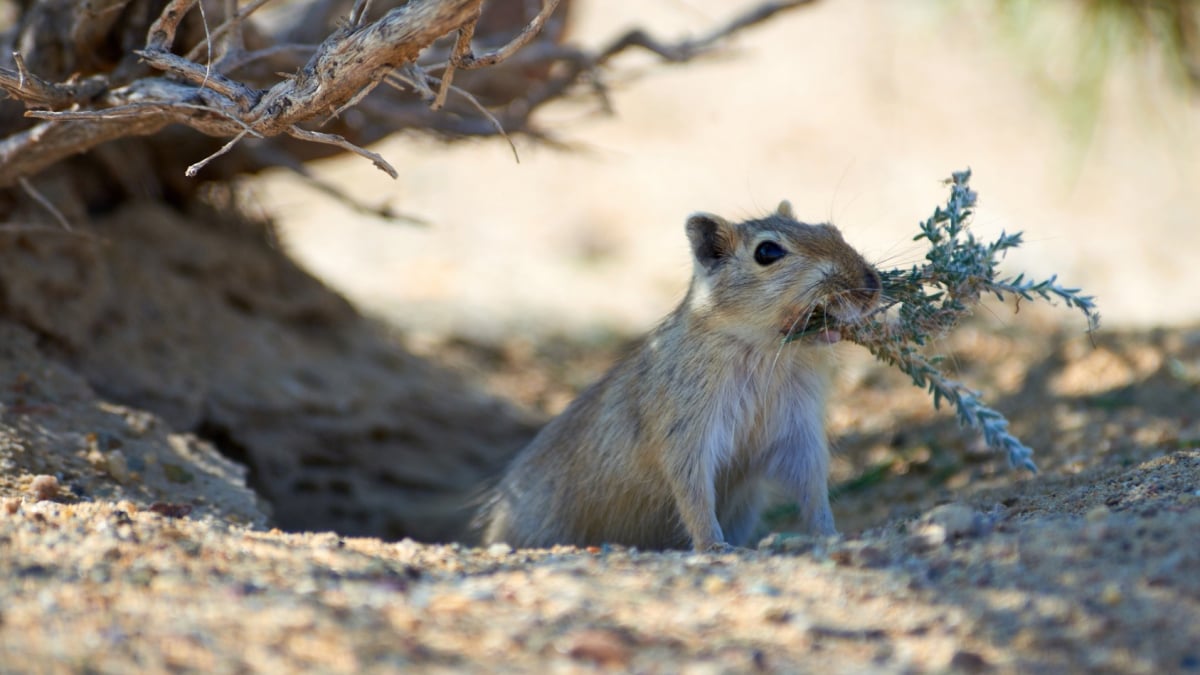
(238, 90)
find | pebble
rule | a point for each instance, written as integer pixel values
(1111, 595)
(761, 588)
(957, 520)
(967, 662)
(928, 536)
(499, 549)
(946, 523)
(714, 584)
(44, 487)
(117, 467)
(777, 615)
(603, 646)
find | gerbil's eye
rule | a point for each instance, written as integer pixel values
(768, 252)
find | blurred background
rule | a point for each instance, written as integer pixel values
(1081, 121)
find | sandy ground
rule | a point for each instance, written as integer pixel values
(530, 278)
(949, 562)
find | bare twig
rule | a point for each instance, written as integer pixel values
(334, 139)
(162, 32)
(415, 77)
(24, 86)
(274, 156)
(201, 76)
(208, 43)
(358, 13)
(180, 112)
(353, 101)
(229, 24)
(195, 168)
(491, 118)
(419, 85)
(469, 62)
(44, 203)
(687, 49)
(462, 50)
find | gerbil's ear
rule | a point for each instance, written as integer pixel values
(709, 236)
(785, 210)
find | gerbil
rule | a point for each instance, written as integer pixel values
(671, 448)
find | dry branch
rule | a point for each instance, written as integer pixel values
(237, 89)
(354, 59)
(349, 62)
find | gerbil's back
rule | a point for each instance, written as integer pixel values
(582, 481)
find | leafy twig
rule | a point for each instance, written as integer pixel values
(931, 298)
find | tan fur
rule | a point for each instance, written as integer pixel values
(670, 449)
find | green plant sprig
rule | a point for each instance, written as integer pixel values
(934, 296)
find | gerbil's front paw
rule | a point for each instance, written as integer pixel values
(716, 547)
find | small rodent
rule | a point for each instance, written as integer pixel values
(672, 446)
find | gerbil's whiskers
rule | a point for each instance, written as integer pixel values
(900, 256)
(801, 319)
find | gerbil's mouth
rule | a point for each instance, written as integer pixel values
(814, 323)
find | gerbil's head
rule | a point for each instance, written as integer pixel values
(775, 276)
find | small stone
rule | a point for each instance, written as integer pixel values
(957, 520)
(1111, 594)
(116, 466)
(44, 487)
(605, 647)
(872, 557)
(170, 510)
(777, 615)
(761, 588)
(928, 536)
(842, 556)
(11, 506)
(782, 543)
(714, 584)
(499, 549)
(771, 541)
(138, 422)
(968, 662)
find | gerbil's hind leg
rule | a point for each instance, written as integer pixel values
(804, 472)
(740, 513)
(820, 514)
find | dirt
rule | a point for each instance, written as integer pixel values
(202, 323)
(949, 561)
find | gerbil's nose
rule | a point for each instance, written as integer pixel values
(871, 285)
